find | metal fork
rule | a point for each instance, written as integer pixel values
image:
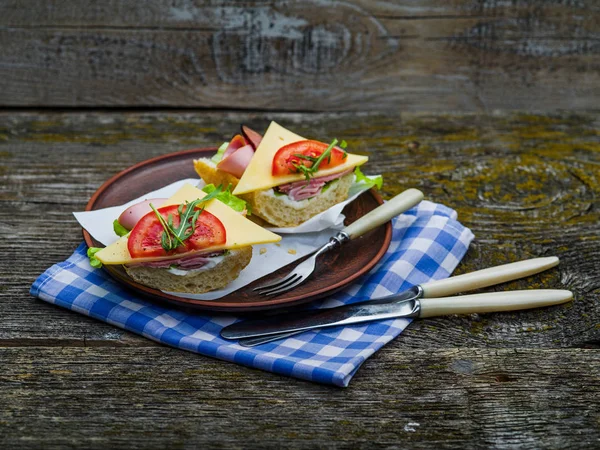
(373, 219)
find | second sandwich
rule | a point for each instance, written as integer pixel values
(285, 178)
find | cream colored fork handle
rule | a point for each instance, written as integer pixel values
(493, 302)
(383, 213)
(487, 277)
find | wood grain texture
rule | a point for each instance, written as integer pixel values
(158, 397)
(301, 56)
(527, 185)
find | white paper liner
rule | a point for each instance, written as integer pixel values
(296, 242)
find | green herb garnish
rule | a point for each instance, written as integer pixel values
(172, 236)
(120, 230)
(343, 146)
(94, 262)
(217, 157)
(225, 196)
(316, 162)
(370, 181)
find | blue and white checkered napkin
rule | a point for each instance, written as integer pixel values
(427, 244)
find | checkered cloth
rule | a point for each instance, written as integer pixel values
(427, 244)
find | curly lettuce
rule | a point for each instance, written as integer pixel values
(217, 157)
(119, 229)
(94, 262)
(225, 196)
(369, 181)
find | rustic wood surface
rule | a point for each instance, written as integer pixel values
(527, 185)
(351, 55)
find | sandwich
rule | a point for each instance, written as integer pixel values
(192, 243)
(285, 178)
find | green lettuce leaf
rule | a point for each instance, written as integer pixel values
(120, 230)
(93, 261)
(328, 185)
(370, 181)
(225, 196)
(217, 157)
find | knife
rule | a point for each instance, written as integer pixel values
(426, 300)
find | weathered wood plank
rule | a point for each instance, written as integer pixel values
(188, 14)
(435, 56)
(152, 398)
(527, 185)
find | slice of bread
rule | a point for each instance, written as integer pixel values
(194, 283)
(211, 175)
(278, 210)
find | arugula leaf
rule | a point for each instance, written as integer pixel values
(172, 236)
(120, 230)
(93, 261)
(167, 239)
(217, 157)
(235, 203)
(310, 171)
(214, 193)
(370, 181)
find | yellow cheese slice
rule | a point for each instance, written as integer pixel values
(240, 231)
(257, 176)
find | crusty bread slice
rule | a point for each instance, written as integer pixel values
(194, 283)
(278, 210)
(283, 212)
(211, 175)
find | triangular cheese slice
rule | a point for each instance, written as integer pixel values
(257, 176)
(240, 231)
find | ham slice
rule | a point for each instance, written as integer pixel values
(236, 143)
(189, 262)
(252, 137)
(236, 162)
(134, 213)
(301, 190)
(239, 152)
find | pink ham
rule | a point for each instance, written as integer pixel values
(189, 262)
(301, 190)
(236, 162)
(134, 213)
(252, 137)
(239, 152)
(236, 143)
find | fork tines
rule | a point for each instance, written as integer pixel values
(280, 286)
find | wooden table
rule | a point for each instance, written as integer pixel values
(527, 185)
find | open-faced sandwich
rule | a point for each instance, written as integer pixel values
(285, 178)
(192, 243)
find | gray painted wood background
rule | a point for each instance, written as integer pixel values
(405, 55)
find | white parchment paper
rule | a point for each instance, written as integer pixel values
(296, 242)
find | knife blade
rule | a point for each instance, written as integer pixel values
(405, 304)
(423, 304)
(431, 307)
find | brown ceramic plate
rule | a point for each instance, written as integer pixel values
(334, 270)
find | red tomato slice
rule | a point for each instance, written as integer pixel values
(286, 157)
(145, 238)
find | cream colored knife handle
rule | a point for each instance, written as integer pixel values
(383, 213)
(487, 277)
(493, 302)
